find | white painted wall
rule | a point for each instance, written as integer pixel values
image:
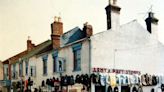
(131, 47)
(66, 53)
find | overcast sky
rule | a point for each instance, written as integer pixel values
(22, 18)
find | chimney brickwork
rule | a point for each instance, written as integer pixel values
(56, 32)
(30, 45)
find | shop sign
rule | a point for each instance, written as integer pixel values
(117, 71)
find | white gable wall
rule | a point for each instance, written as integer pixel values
(131, 47)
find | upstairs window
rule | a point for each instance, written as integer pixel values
(44, 67)
(21, 69)
(33, 71)
(14, 71)
(54, 56)
(77, 57)
(61, 64)
(6, 72)
(45, 58)
(26, 67)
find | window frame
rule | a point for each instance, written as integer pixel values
(45, 65)
(77, 57)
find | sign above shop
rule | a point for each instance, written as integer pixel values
(117, 71)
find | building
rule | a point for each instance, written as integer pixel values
(124, 58)
(128, 51)
(66, 54)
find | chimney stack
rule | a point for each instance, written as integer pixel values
(56, 32)
(30, 45)
(113, 15)
(88, 29)
(152, 24)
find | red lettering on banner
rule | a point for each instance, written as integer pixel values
(118, 71)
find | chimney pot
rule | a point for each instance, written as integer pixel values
(55, 19)
(151, 14)
(59, 19)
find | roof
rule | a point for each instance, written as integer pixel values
(26, 54)
(37, 49)
(67, 38)
(72, 35)
(15, 57)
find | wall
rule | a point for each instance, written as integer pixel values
(131, 47)
(66, 53)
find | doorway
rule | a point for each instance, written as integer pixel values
(99, 88)
(125, 89)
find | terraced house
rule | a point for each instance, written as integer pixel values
(65, 54)
(124, 58)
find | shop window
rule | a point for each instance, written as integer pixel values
(77, 57)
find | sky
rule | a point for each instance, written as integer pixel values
(22, 18)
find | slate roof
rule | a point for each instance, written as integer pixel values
(67, 38)
(72, 36)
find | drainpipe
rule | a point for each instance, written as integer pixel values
(89, 55)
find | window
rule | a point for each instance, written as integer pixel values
(44, 58)
(61, 64)
(54, 64)
(44, 67)
(54, 56)
(77, 60)
(26, 67)
(33, 71)
(6, 72)
(21, 69)
(14, 71)
(77, 57)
